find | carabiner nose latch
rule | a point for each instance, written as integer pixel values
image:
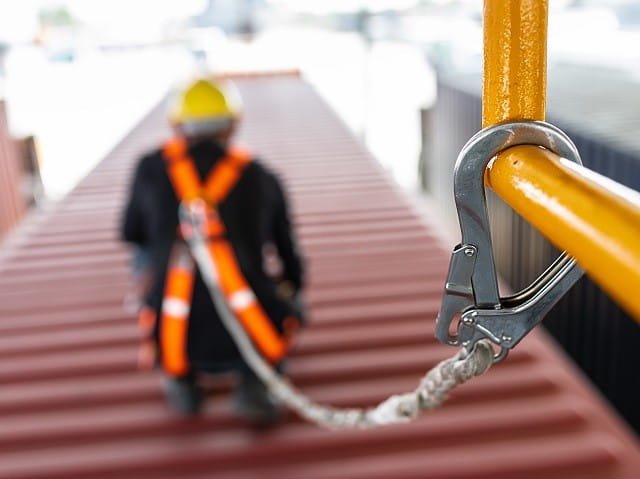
(471, 304)
(458, 291)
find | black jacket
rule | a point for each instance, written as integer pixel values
(255, 215)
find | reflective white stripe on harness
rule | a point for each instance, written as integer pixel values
(241, 299)
(176, 307)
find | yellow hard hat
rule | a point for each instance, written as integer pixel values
(205, 100)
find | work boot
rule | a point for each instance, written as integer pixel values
(183, 395)
(252, 400)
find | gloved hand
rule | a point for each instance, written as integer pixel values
(147, 355)
(148, 350)
(286, 290)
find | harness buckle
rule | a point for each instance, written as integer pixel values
(471, 292)
(201, 218)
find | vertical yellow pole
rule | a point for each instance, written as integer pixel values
(515, 60)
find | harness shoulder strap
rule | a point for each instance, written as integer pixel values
(225, 175)
(186, 181)
(182, 172)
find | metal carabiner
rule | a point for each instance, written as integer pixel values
(471, 291)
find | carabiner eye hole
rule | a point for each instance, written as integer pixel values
(499, 352)
(454, 329)
(500, 355)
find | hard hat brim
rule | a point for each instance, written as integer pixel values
(194, 128)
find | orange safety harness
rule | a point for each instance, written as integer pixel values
(180, 274)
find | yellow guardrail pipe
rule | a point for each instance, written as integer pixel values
(580, 213)
(594, 219)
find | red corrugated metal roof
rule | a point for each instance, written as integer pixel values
(72, 404)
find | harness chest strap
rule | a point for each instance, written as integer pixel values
(179, 283)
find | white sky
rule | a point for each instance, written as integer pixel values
(18, 18)
(321, 7)
(100, 95)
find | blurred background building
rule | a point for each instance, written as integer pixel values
(374, 61)
(403, 76)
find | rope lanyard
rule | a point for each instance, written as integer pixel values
(430, 393)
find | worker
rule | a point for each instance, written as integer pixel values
(180, 325)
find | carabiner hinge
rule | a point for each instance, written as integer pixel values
(507, 325)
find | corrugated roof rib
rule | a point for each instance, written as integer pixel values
(72, 404)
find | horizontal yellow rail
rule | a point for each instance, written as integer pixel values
(596, 220)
